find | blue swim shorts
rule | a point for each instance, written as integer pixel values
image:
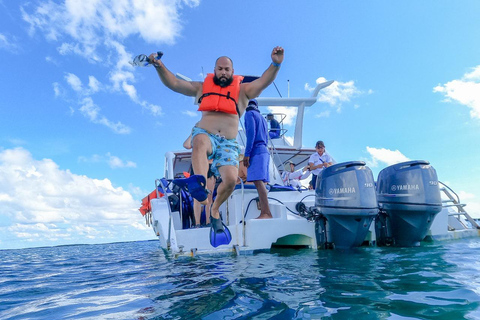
(225, 152)
(258, 169)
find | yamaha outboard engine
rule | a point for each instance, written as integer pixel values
(409, 198)
(345, 196)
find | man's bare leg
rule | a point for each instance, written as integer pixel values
(263, 197)
(202, 147)
(197, 212)
(229, 178)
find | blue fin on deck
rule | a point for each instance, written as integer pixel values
(219, 233)
(195, 186)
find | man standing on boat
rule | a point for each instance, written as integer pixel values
(257, 157)
(223, 99)
(318, 161)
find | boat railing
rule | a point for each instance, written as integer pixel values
(242, 216)
(454, 201)
(283, 116)
(159, 183)
(274, 153)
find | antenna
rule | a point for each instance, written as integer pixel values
(288, 88)
(277, 89)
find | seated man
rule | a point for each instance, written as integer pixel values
(292, 177)
(274, 131)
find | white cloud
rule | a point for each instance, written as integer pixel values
(116, 162)
(96, 30)
(189, 113)
(7, 43)
(386, 156)
(87, 22)
(52, 60)
(463, 195)
(92, 112)
(153, 108)
(289, 112)
(465, 91)
(113, 161)
(336, 94)
(119, 77)
(472, 202)
(92, 159)
(289, 139)
(56, 89)
(46, 205)
(93, 84)
(323, 114)
(74, 82)
(16, 141)
(474, 75)
(473, 208)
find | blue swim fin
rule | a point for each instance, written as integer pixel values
(195, 186)
(219, 233)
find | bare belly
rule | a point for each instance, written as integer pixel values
(223, 124)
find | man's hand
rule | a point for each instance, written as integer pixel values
(155, 60)
(246, 162)
(277, 54)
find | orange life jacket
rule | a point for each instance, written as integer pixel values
(216, 98)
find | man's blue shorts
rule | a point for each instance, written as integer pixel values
(224, 151)
(258, 169)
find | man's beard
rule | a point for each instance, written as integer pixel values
(222, 83)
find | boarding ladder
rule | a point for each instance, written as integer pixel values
(461, 216)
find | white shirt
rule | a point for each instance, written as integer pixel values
(293, 178)
(316, 159)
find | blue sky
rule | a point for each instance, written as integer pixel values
(83, 134)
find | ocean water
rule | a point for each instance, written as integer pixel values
(136, 280)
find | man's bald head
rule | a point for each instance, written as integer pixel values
(224, 58)
(223, 71)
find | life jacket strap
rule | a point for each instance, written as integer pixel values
(221, 95)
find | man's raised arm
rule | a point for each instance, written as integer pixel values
(254, 89)
(188, 88)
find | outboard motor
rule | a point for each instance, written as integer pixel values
(409, 198)
(345, 196)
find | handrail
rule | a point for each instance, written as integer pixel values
(458, 205)
(456, 195)
(243, 207)
(169, 210)
(274, 151)
(283, 116)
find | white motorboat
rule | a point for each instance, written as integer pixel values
(407, 203)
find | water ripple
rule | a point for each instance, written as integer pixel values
(137, 281)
